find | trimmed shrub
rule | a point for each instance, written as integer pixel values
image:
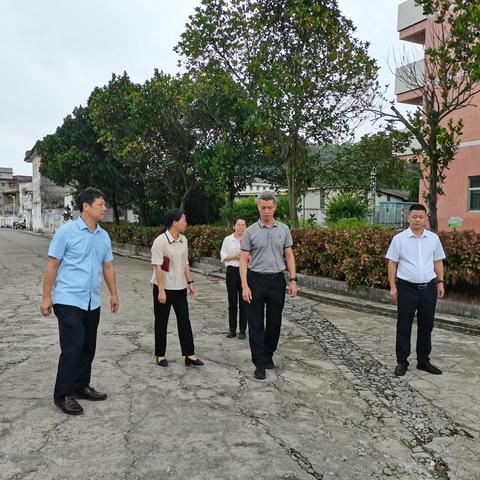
(345, 206)
(205, 241)
(247, 208)
(132, 233)
(348, 224)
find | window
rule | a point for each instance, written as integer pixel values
(474, 193)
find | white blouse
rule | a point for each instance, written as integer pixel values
(230, 247)
(177, 251)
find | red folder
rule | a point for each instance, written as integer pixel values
(166, 264)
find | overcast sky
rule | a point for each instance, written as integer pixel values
(53, 53)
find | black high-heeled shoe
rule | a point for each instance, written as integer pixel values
(189, 362)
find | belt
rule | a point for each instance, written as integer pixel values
(267, 274)
(418, 286)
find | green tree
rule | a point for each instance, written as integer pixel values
(297, 59)
(344, 206)
(115, 114)
(73, 156)
(227, 119)
(371, 163)
(149, 128)
(169, 137)
(451, 81)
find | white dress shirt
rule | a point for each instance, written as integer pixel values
(415, 255)
(177, 251)
(230, 247)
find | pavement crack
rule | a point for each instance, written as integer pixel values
(418, 414)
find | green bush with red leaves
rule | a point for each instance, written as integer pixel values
(356, 256)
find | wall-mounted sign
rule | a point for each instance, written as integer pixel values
(455, 222)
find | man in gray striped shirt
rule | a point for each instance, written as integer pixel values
(264, 248)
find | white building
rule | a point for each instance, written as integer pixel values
(47, 198)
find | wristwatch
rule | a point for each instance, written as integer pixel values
(440, 281)
(191, 281)
(293, 279)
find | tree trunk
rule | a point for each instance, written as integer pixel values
(292, 192)
(229, 206)
(116, 215)
(432, 195)
(143, 212)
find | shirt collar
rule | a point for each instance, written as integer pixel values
(411, 234)
(262, 225)
(82, 225)
(171, 239)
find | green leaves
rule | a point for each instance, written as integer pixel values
(350, 167)
(297, 61)
(452, 74)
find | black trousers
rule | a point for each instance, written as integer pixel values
(265, 315)
(410, 300)
(235, 300)
(78, 340)
(178, 300)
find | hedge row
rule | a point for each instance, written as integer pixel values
(355, 256)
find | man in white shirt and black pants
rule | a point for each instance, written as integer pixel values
(415, 272)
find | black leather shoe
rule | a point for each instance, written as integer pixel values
(190, 362)
(241, 335)
(259, 373)
(68, 405)
(231, 334)
(428, 367)
(269, 365)
(89, 393)
(400, 369)
(162, 362)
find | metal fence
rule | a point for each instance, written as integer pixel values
(392, 213)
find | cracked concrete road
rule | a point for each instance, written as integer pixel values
(330, 410)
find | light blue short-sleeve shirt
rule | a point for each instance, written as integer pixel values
(415, 255)
(81, 254)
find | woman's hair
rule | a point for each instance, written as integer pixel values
(237, 219)
(173, 215)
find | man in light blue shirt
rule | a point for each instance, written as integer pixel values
(415, 272)
(80, 254)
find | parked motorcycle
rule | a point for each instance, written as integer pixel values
(19, 224)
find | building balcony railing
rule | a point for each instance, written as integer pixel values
(409, 13)
(410, 77)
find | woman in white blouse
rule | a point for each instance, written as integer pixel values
(171, 279)
(230, 256)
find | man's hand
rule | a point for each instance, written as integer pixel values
(162, 296)
(247, 294)
(292, 289)
(394, 294)
(114, 303)
(192, 290)
(46, 307)
(440, 290)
